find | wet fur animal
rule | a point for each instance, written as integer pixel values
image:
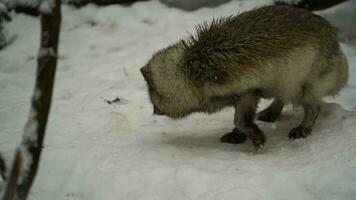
(280, 52)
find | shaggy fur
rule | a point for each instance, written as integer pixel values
(280, 52)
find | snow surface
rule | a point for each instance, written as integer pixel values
(12, 3)
(94, 150)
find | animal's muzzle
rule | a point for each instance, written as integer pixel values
(156, 111)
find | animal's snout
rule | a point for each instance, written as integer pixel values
(156, 111)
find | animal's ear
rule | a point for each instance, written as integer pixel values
(145, 71)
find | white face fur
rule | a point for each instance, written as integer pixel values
(170, 91)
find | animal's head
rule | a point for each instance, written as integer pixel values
(170, 91)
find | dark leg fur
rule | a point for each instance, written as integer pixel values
(235, 137)
(245, 110)
(311, 112)
(272, 113)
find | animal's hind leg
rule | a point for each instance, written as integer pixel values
(311, 111)
(328, 82)
(272, 112)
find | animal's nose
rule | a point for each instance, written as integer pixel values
(156, 111)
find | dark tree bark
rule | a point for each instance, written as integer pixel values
(80, 3)
(34, 133)
(313, 5)
(33, 11)
(4, 17)
(10, 191)
(2, 168)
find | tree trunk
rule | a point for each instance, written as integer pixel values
(10, 191)
(32, 142)
(2, 168)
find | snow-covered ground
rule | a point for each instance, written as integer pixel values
(99, 151)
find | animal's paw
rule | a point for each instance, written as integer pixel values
(258, 141)
(235, 137)
(299, 132)
(268, 116)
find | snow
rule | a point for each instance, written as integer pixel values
(30, 137)
(26, 162)
(31, 128)
(46, 6)
(2, 8)
(12, 3)
(95, 150)
(44, 52)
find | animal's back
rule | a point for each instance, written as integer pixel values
(272, 30)
(279, 48)
(259, 34)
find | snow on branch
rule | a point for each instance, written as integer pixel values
(13, 3)
(46, 52)
(46, 6)
(32, 7)
(28, 154)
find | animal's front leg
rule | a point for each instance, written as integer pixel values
(245, 110)
(235, 137)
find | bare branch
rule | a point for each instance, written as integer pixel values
(30, 150)
(15, 173)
